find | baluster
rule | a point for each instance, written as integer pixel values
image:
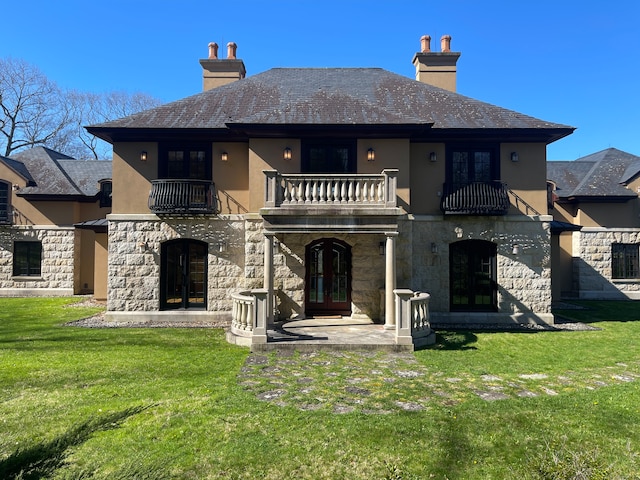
(365, 192)
(380, 193)
(336, 191)
(357, 192)
(323, 184)
(307, 191)
(300, 192)
(249, 319)
(314, 192)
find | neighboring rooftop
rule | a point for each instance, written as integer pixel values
(51, 173)
(601, 174)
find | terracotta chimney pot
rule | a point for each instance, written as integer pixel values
(445, 43)
(425, 43)
(231, 50)
(213, 51)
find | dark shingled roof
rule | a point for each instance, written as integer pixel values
(283, 97)
(55, 174)
(18, 167)
(602, 174)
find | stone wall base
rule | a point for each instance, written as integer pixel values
(491, 318)
(36, 292)
(188, 317)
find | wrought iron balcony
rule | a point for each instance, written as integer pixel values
(177, 196)
(491, 198)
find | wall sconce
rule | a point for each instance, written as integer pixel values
(224, 157)
(143, 246)
(286, 154)
(222, 246)
(15, 187)
(434, 247)
(514, 157)
(143, 156)
(276, 246)
(371, 155)
(381, 248)
(458, 231)
(433, 157)
(515, 249)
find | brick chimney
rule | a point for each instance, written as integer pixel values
(217, 72)
(436, 68)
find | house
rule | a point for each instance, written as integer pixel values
(53, 224)
(330, 188)
(597, 209)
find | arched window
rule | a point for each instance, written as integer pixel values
(106, 189)
(472, 265)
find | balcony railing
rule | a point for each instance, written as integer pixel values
(491, 198)
(350, 190)
(182, 197)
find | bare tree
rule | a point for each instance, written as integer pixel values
(92, 108)
(32, 110)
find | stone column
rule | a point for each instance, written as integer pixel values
(390, 280)
(268, 273)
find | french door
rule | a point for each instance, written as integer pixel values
(472, 266)
(328, 278)
(183, 275)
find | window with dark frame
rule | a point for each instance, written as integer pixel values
(188, 161)
(469, 164)
(27, 259)
(5, 202)
(106, 189)
(624, 260)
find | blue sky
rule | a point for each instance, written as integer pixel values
(566, 61)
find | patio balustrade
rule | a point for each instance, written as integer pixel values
(412, 318)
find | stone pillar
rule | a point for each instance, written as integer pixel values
(268, 273)
(390, 280)
(260, 313)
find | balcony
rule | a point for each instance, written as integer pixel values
(182, 197)
(331, 202)
(491, 198)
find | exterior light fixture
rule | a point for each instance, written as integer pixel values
(143, 156)
(222, 246)
(286, 154)
(516, 249)
(371, 155)
(224, 157)
(514, 157)
(459, 232)
(433, 157)
(15, 187)
(434, 247)
(276, 247)
(381, 248)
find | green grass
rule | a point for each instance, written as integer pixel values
(79, 403)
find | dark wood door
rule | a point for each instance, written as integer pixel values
(328, 278)
(183, 275)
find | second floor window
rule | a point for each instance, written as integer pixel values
(192, 161)
(105, 194)
(5, 203)
(472, 164)
(624, 260)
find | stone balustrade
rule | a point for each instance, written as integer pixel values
(349, 190)
(412, 318)
(249, 314)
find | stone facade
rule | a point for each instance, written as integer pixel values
(236, 262)
(592, 264)
(57, 267)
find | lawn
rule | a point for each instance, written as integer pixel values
(79, 403)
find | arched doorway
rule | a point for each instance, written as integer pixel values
(328, 278)
(473, 286)
(183, 275)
